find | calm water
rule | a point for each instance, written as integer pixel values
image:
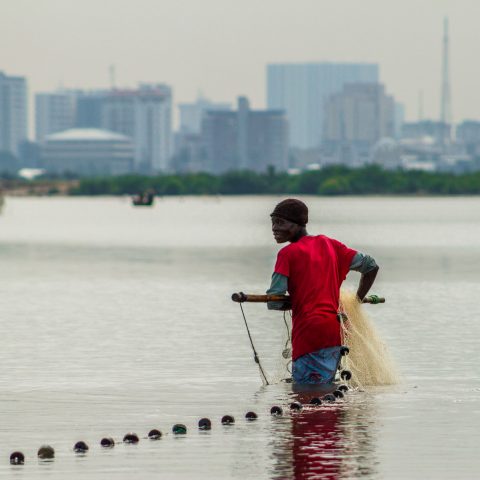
(116, 319)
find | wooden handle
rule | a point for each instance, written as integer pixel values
(241, 297)
(247, 297)
(373, 299)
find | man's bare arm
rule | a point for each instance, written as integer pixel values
(366, 282)
(367, 266)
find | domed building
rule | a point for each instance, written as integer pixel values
(88, 152)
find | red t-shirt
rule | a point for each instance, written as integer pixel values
(315, 266)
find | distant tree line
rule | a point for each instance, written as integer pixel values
(336, 180)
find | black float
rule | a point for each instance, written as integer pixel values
(338, 394)
(204, 424)
(344, 351)
(154, 434)
(228, 420)
(17, 458)
(329, 397)
(179, 429)
(80, 447)
(315, 401)
(46, 452)
(296, 406)
(250, 416)
(342, 388)
(346, 375)
(130, 438)
(107, 442)
(276, 410)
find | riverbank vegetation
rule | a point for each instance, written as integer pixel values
(337, 180)
(328, 181)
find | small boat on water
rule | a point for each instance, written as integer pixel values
(144, 199)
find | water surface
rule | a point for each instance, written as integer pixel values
(119, 319)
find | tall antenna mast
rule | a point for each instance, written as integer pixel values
(446, 108)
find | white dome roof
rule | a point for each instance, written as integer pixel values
(90, 134)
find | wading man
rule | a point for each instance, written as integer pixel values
(312, 269)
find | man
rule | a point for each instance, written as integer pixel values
(312, 269)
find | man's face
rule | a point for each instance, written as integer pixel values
(283, 230)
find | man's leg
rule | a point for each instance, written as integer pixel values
(317, 367)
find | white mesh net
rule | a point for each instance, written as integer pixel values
(369, 360)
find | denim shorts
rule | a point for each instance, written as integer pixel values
(317, 367)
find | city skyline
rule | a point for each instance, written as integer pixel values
(222, 47)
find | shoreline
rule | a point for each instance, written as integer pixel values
(329, 182)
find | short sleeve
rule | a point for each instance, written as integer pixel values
(344, 256)
(282, 266)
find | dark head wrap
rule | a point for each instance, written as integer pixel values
(292, 210)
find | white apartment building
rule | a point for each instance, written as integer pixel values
(54, 112)
(145, 115)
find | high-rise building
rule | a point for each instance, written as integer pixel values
(189, 152)
(54, 112)
(356, 118)
(468, 133)
(360, 112)
(191, 114)
(13, 113)
(145, 115)
(245, 139)
(88, 112)
(302, 89)
(399, 119)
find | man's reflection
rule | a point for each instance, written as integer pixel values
(328, 442)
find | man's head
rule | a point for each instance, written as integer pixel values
(289, 219)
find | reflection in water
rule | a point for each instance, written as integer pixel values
(329, 442)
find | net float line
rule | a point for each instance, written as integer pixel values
(46, 452)
(241, 297)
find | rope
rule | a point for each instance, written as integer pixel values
(255, 354)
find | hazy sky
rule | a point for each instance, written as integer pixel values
(221, 47)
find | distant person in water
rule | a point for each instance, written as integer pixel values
(311, 269)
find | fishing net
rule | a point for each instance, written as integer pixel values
(369, 360)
